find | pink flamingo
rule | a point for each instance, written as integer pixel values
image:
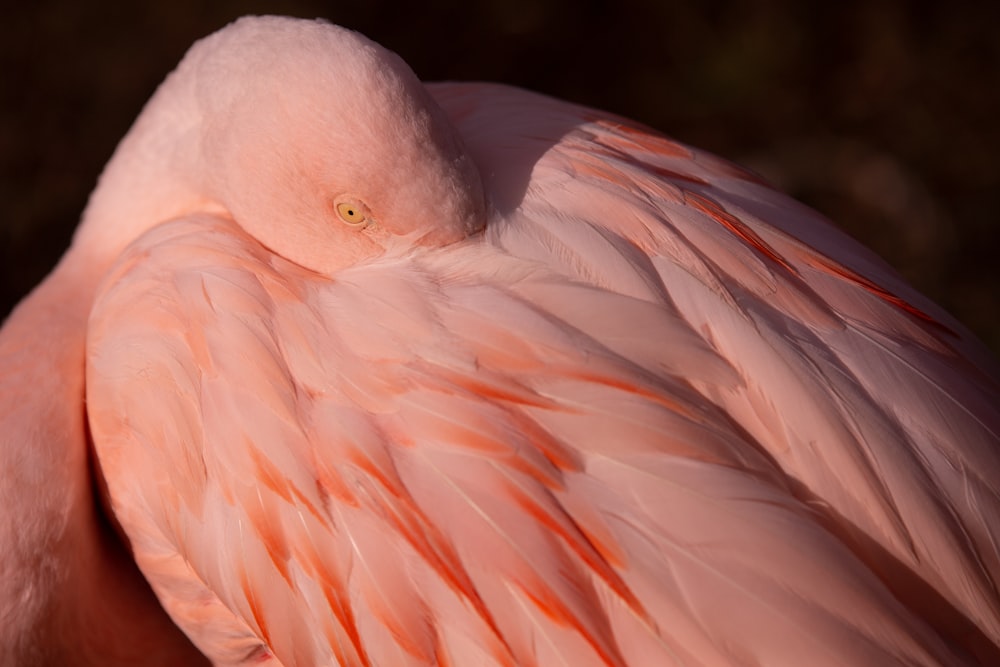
(384, 373)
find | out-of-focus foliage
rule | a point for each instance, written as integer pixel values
(883, 114)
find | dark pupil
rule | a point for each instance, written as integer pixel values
(350, 212)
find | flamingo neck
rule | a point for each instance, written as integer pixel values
(156, 174)
(69, 593)
(42, 455)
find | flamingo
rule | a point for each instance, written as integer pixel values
(380, 372)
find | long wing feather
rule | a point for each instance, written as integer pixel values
(658, 414)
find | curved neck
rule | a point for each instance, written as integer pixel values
(156, 173)
(69, 593)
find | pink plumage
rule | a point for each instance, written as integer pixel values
(380, 373)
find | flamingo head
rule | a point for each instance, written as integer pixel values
(325, 146)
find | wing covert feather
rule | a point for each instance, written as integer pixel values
(634, 424)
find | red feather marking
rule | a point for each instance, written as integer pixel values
(556, 610)
(609, 552)
(402, 635)
(400, 512)
(255, 610)
(304, 501)
(441, 657)
(601, 166)
(715, 211)
(276, 546)
(330, 483)
(668, 174)
(618, 151)
(386, 479)
(581, 546)
(267, 474)
(630, 136)
(822, 263)
(592, 165)
(510, 392)
(272, 536)
(660, 398)
(427, 540)
(553, 449)
(634, 138)
(337, 601)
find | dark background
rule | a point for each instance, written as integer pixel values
(883, 114)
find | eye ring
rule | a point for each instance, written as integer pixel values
(353, 213)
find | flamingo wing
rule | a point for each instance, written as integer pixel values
(867, 395)
(656, 414)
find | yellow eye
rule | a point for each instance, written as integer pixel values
(352, 213)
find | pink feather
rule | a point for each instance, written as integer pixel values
(652, 413)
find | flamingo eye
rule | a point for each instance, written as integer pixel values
(353, 213)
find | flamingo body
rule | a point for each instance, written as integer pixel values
(622, 405)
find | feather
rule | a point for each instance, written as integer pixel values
(654, 414)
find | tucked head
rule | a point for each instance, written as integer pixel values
(324, 145)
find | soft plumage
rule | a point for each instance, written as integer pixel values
(652, 413)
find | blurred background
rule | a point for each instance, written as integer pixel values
(883, 114)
